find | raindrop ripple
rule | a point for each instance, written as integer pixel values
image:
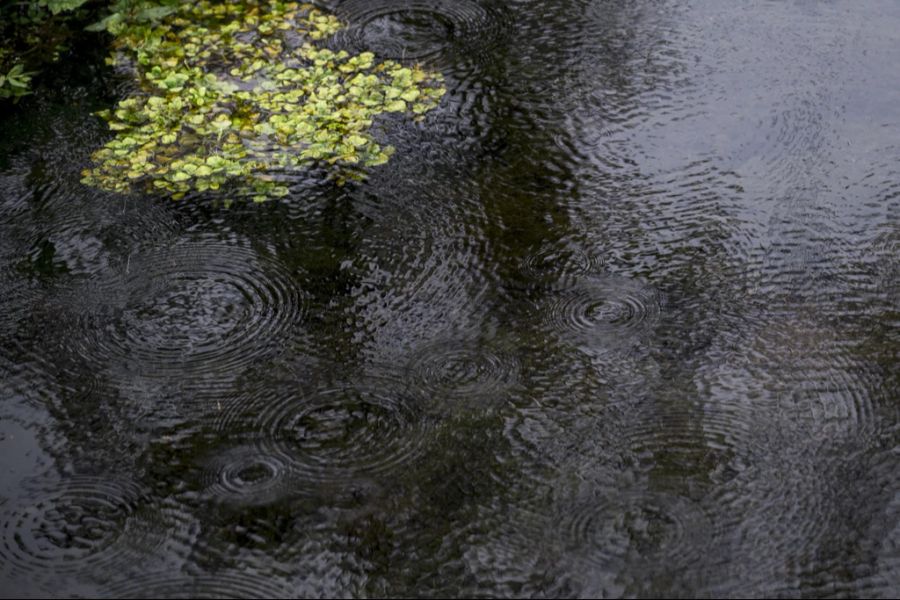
(337, 436)
(218, 585)
(461, 370)
(244, 476)
(200, 308)
(643, 526)
(85, 525)
(419, 29)
(611, 310)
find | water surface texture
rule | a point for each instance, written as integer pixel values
(621, 317)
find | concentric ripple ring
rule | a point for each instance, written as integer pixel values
(199, 308)
(230, 584)
(637, 526)
(461, 369)
(337, 435)
(418, 29)
(606, 309)
(244, 476)
(84, 524)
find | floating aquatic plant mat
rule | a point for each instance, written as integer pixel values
(234, 95)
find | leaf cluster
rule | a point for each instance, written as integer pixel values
(15, 83)
(58, 6)
(33, 33)
(234, 95)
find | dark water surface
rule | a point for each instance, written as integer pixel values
(620, 318)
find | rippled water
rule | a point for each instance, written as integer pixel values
(620, 318)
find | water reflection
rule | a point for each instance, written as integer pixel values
(431, 30)
(619, 318)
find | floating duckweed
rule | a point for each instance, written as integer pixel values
(234, 92)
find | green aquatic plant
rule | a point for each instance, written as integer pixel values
(15, 83)
(33, 34)
(234, 95)
(58, 6)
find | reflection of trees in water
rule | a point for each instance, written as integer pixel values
(559, 172)
(707, 414)
(546, 183)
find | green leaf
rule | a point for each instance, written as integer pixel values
(356, 140)
(155, 13)
(58, 6)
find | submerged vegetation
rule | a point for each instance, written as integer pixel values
(33, 34)
(234, 95)
(231, 96)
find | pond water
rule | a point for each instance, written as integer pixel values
(621, 317)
